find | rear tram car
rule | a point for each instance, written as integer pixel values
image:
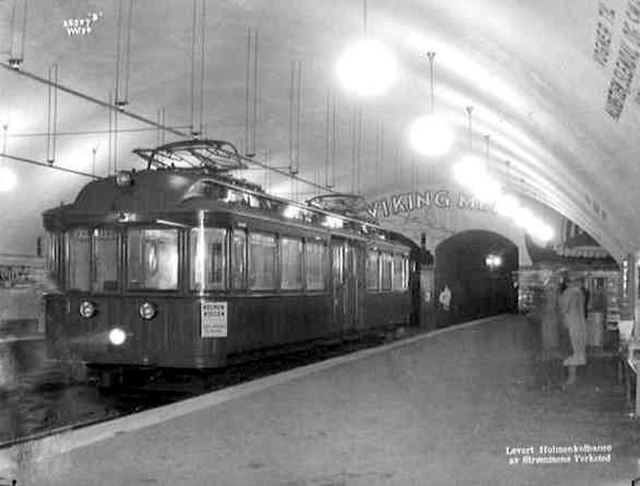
(182, 265)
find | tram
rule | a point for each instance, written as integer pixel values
(184, 265)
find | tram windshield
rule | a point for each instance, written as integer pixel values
(153, 259)
(78, 258)
(105, 260)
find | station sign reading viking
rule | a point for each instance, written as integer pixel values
(416, 200)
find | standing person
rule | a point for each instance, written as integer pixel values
(549, 331)
(550, 319)
(571, 304)
(445, 298)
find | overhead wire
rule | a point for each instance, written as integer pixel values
(24, 28)
(128, 53)
(246, 93)
(96, 132)
(354, 116)
(255, 92)
(203, 58)
(12, 29)
(110, 137)
(298, 115)
(135, 116)
(48, 166)
(327, 141)
(291, 116)
(52, 114)
(118, 40)
(335, 141)
(193, 68)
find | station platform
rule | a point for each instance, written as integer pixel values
(465, 405)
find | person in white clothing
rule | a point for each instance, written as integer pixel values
(571, 303)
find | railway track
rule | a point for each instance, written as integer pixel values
(36, 411)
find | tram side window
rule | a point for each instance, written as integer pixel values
(78, 258)
(386, 263)
(262, 261)
(208, 258)
(338, 264)
(52, 256)
(407, 270)
(238, 259)
(399, 273)
(315, 255)
(372, 270)
(291, 258)
(105, 258)
(153, 259)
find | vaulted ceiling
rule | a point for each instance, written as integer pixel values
(552, 85)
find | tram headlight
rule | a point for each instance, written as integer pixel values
(124, 179)
(87, 309)
(117, 336)
(147, 310)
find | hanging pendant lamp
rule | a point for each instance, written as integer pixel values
(431, 135)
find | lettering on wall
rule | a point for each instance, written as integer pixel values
(626, 62)
(596, 207)
(417, 200)
(15, 276)
(604, 33)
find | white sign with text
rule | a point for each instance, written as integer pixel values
(213, 319)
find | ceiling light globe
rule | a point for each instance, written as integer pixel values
(541, 232)
(430, 135)
(469, 170)
(507, 205)
(524, 218)
(8, 179)
(368, 68)
(486, 189)
(545, 233)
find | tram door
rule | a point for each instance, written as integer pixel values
(345, 285)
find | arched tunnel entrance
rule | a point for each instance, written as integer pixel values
(477, 268)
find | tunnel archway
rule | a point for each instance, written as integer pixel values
(477, 288)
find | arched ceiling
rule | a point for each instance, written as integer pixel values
(528, 69)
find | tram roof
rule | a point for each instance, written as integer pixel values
(153, 195)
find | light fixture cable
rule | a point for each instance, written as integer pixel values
(431, 56)
(470, 121)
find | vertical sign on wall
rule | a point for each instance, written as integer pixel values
(626, 273)
(213, 319)
(634, 293)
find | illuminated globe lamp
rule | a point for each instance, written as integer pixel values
(524, 218)
(540, 231)
(368, 68)
(8, 179)
(431, 135)
(546, 233)
(486, 189)
(507, 205)
(469, 170)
